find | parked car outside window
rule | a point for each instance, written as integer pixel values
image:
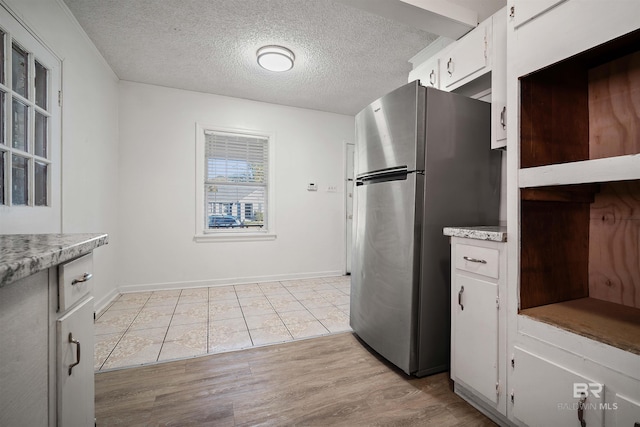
(223, 221)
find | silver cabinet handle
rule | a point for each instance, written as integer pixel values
(85, 277)
(450, 66)
(503, 117)
(77, 343)
(460, 298)
(480, 261)
(432, 77)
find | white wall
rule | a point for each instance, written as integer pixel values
(89, 133)
(157, 191)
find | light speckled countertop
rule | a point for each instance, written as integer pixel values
(24, 254)
(484, 232)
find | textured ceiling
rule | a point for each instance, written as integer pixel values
(345, 57)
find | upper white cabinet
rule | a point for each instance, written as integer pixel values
(499, 117)
(529, 10)
(428, 73)
(475, 66)
(468, 58)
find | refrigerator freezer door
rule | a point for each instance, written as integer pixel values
(385, 271)
(390, 131)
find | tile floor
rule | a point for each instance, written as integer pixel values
(147, 327)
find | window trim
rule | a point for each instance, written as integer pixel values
(231, 235)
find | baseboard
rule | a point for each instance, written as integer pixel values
(225, 282)
(103, 302)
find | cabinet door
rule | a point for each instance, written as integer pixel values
(467, 60)
(528, 10)
(427, 73)
(544, 393)
(627, 412)
(499, 80)
(75, 381)
(475, 335)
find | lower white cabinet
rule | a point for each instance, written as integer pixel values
(478, 329)
(24, 354)
(475, 356)
(547, 394)
(40, 341)
(75, 384)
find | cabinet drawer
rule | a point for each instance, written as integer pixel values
(74, 280)
(477, 260)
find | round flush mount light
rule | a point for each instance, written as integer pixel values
(275, 58)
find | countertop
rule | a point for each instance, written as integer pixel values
(22, 255)
(492, 233)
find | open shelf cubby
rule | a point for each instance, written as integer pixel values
(580, 243)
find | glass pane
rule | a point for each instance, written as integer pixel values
(41, 86)
(3, 119)
(2, 155)
(2, 57)
(40, 148)
(235, 206)
(20, 183)
(40, 182)
(20, 115)
(19, 61)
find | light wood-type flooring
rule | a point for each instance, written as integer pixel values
(333, 380)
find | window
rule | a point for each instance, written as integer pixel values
(29, 130)
(235, 183)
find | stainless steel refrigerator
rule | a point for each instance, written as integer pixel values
(423, 162)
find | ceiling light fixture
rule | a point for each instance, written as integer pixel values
(275, 58)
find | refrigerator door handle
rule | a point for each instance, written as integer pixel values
(389, 174)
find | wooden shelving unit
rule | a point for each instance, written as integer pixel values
(580, 193)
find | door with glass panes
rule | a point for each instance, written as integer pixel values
(29, 131)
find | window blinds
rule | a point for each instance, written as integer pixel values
(236, 180)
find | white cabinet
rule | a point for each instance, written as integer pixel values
(549, 76)
(529, 10)
(468, 58)
(75, 385)
(428, 73)
(475, 336)
(24, 354)
(499, 80)
(478, 330)
(464, 66)
(626, 410)
(546, 394)
(40, 342)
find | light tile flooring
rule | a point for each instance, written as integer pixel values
(147, 327)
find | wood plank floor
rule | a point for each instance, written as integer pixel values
(329, 381)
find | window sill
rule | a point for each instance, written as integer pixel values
(233, 237)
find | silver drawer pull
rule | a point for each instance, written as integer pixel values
(77, 343)
(85, 277)
(480, 261)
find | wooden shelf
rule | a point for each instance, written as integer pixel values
(613, 324)
(621, 168)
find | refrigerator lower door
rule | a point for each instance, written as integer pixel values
(385, 268)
